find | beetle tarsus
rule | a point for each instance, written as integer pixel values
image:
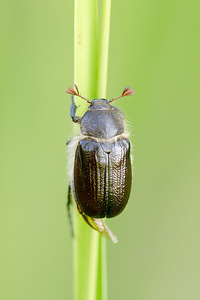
(68, 142)
(69, 202)
(73, 109)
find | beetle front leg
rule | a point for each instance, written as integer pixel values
(69, 202)
(73, 109)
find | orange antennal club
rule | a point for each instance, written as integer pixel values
(126, 92)
(75, 92)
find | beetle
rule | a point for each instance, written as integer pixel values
(102, 172)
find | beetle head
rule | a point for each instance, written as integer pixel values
(98, 104)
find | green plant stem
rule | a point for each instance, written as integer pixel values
(90, 75)
(86, 48)
(101, 89)
(104, 48)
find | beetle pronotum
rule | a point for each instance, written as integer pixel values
(101, 173)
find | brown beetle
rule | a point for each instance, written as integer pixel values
(102, 173)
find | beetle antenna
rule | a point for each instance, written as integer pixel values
(75, 92)
(126, 92)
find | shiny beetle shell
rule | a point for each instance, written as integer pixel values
(102, 177)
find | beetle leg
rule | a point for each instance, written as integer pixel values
(69, 202)
(68, 142)
(104, 230)
(73, 109)
(99, 226)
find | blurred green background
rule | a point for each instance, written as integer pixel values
(155, 50)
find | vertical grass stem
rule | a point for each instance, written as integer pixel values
(90, 74)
